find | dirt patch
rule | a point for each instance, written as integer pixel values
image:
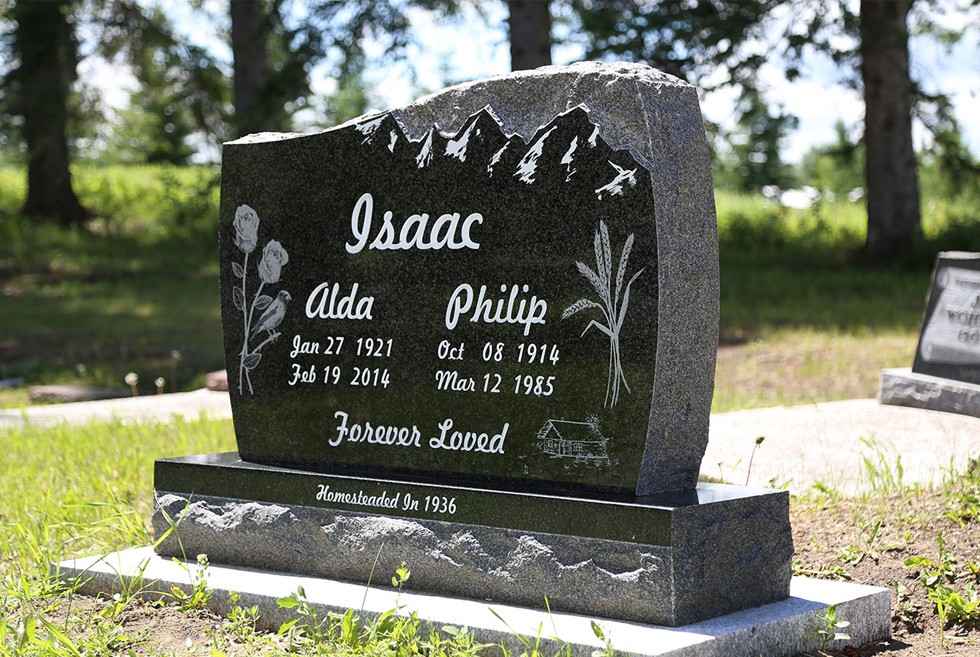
(870, 543)
(802, 367)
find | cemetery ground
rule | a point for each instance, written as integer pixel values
(922, 543)
(801, 322)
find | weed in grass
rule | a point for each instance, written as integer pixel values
(906, 610)
(607, 648)
(823, 571)
(391, 632)
(867, 545)
(241, 621)
(964, 498)
(940, 578)
(534, 646)
(883, 468)
(312, 630)
(200, 592)
(758, 443)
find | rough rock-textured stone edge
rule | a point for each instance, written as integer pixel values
(782, 628)
(607, 578)
(657, 118)
(903, 387)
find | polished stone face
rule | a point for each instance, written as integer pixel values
(510, 283)
(464, 307)
(949, 345)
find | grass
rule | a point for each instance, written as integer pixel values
(800, 324)
(71, 490)
(922, 542)
(89, 306)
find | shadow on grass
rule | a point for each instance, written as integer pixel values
(88, 308)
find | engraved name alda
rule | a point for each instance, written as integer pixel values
(458, 441)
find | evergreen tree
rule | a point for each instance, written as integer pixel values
(529, 31)
(758, 143)
(45, 50)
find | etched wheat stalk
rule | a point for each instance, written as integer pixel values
(613, 304)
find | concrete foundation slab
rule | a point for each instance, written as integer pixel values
(783, 628)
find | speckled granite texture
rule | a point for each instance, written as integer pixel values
(635, 109)
(657, 118)
(722, 557)
(903, 387)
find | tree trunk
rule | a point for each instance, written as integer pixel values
(892, 185)
(250, 51)
(530, 33)
(45, 44)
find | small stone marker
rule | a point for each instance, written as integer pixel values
(55, 394)
(480, 332)
(946, 372)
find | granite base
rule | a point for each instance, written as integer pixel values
(903, 387)
(666, 559)
(779, 629)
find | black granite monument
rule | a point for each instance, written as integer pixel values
(477, 334)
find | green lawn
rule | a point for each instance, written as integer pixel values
(90, 306)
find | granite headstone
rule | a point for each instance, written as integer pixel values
(480, 330)
(945, 374)
(949, 344)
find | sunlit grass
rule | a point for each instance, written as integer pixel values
(88, 487)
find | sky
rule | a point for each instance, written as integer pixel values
(447, 51)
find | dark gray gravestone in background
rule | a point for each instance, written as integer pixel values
(945, 375)
(481, 331)
(949, 344)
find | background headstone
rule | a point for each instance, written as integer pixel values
(945, 374)
(949, 343)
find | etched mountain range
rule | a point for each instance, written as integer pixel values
(569, 150)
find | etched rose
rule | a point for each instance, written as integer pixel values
(246, 228)
(273, 258)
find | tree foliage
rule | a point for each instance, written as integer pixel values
(715, 43)
(690, 40)
(183, 89)
(757, 144)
